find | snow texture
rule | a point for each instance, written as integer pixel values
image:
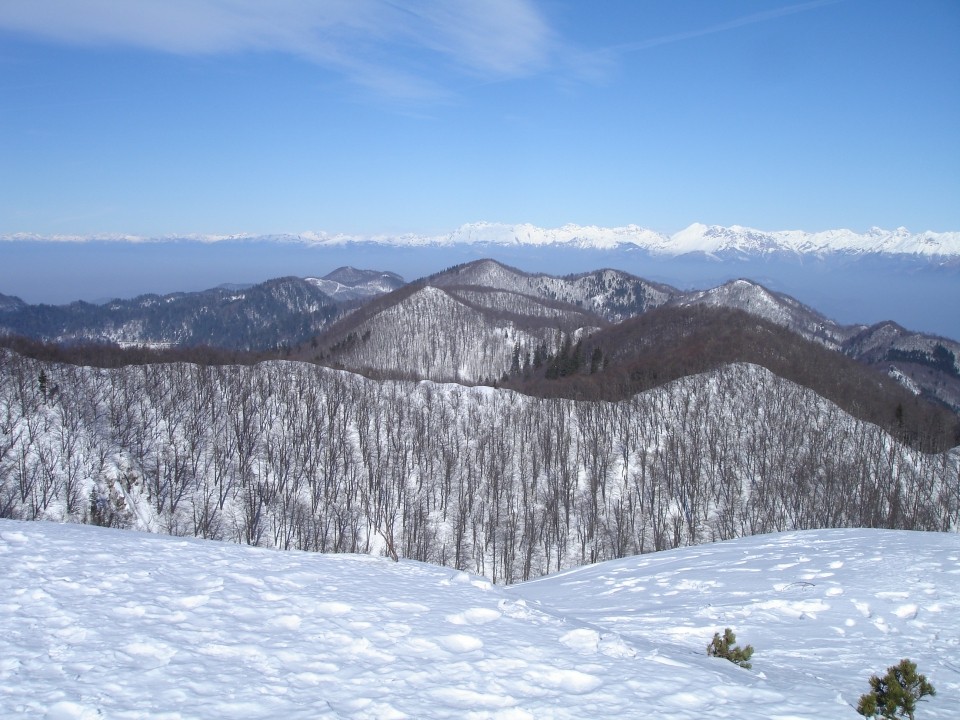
(106, 623)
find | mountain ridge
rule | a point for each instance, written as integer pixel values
(713, 240)
(277, 312)
(526, 330)
(491, 321)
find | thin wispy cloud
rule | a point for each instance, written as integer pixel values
(394, 48)
(752, 19)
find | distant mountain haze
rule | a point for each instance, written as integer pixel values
(911, 278)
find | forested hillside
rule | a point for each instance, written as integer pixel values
(292, 455)
(473, 323)
(482, 321)
(672, 342)
(456, 334)
(596, 416)
(278, 313)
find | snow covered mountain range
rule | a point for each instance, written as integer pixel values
(471, 323)
(102, 623)
(715, 240)
(478, 321)
(709, 239)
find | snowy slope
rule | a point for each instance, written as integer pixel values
(450, 334)
(349, 283)
(104, 623)
(778, 308)
(823, 609)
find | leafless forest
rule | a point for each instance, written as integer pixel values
(293, 455)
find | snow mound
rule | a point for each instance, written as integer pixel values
(106, 623)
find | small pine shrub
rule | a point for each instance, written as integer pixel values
(895, 695)
(726, 647)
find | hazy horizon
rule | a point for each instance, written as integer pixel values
(373, 117)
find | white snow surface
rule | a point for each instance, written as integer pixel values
(107, 623)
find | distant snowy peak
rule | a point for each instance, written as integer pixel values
(715, 240)
(711, 239)
(569, 235)
(697, 238)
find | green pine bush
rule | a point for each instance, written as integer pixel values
(895, 695)
(726, 647)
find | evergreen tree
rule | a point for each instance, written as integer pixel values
(726, 647)
(596, 360)
(895, 695)
(515, 363)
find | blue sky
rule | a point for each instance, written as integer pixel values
(160, 117)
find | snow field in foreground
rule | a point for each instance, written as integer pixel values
(102, 623)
